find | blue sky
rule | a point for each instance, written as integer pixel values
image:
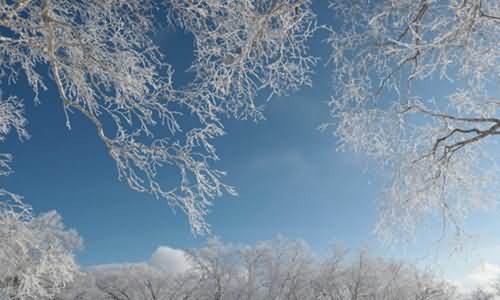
(290, 180)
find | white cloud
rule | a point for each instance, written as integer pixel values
(169, 260)
(164, 259)
(481, 277)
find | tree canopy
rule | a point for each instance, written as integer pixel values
(386, 56)
(106, 66)
(439, 147)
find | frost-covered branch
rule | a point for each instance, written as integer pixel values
(386, 57)
(104, 65)
(245, 46)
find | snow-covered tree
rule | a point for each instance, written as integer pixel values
(36, 253)
(416, 87)
(279, 269)
(134, 282)
(480, 294)
(101, 58)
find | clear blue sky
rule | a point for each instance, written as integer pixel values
(290, 179)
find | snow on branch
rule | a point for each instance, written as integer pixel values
(246, 46)
(387, 57)
(105, 65)
(36, 253)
